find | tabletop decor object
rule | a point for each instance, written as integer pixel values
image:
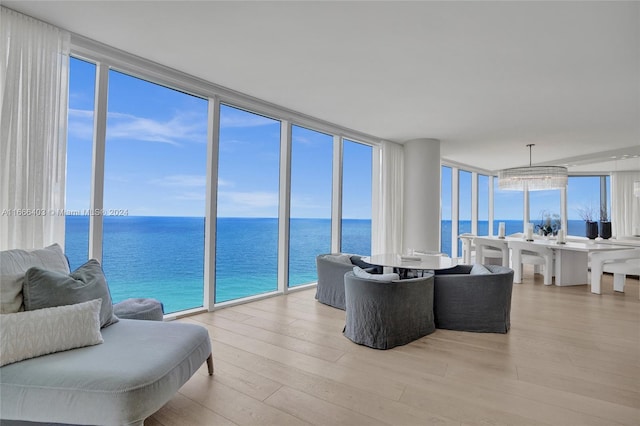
(605, 223)
(588, 215)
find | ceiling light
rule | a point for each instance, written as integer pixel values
(533, 178)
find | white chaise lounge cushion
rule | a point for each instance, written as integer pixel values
(138, 368)
(30, 334)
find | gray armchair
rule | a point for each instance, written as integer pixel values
(473, 302)
(331, 270)
(384, 314)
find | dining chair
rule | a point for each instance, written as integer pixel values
(525, 252)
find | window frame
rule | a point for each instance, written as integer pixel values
(106, 58)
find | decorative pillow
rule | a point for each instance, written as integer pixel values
(479, 270)
(44, 331)
(13, 265)
(357, 260)
(341, 258)
(45, 289)
(361, 273)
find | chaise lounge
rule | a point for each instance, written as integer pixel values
(128, 371)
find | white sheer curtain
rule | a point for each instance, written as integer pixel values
(33, 96)
(625, 207)
(387, 213)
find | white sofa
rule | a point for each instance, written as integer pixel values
(128, 371)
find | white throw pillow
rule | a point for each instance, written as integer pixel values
(14, 264)
(361, 273)
(30, 334)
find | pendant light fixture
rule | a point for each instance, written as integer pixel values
(533, 178)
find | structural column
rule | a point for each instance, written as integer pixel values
(421, 224)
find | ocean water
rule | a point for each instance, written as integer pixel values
(575, 228)
(163, 257)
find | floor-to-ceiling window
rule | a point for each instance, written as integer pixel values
(357, 163)
(464, 204)
(311, 189)
(154, 193)
(247, 217)
(586, 197)
(544, 210)
(445, 210)
(82, 77)
(483, 204)
(508, 207)
(585, 194)
(161, 148)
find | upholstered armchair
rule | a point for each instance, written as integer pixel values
(331, 269)
(385, 314)
(473, 298)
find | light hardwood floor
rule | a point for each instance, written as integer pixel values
(570, 358)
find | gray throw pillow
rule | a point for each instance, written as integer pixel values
(46, 289)
(479, 270)
(356, 260)
(340, 258)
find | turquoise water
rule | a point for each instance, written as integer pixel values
(163, 257)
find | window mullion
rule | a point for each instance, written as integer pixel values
(98, 159)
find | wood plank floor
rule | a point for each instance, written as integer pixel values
(570, 358)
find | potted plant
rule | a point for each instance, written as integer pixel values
(588, 215)
(605, 224)
(549, 223)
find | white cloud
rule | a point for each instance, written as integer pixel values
(81, 113)
(117, 178)
(256, 199)
(181, 127)
(181, 181)
(222, 182)
(191, 196)
(303, 140)
(80, 124)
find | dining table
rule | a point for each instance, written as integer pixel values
(403, 264)
(571, 258)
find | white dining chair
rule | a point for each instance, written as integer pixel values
(489, 254)
(620, 263)
(492, 251)
(540, 256)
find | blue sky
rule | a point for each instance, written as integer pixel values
(583, 192)
(156, 156)
(156, 161)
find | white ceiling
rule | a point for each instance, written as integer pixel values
(486, 78)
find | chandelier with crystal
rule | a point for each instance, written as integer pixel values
(533, 178)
